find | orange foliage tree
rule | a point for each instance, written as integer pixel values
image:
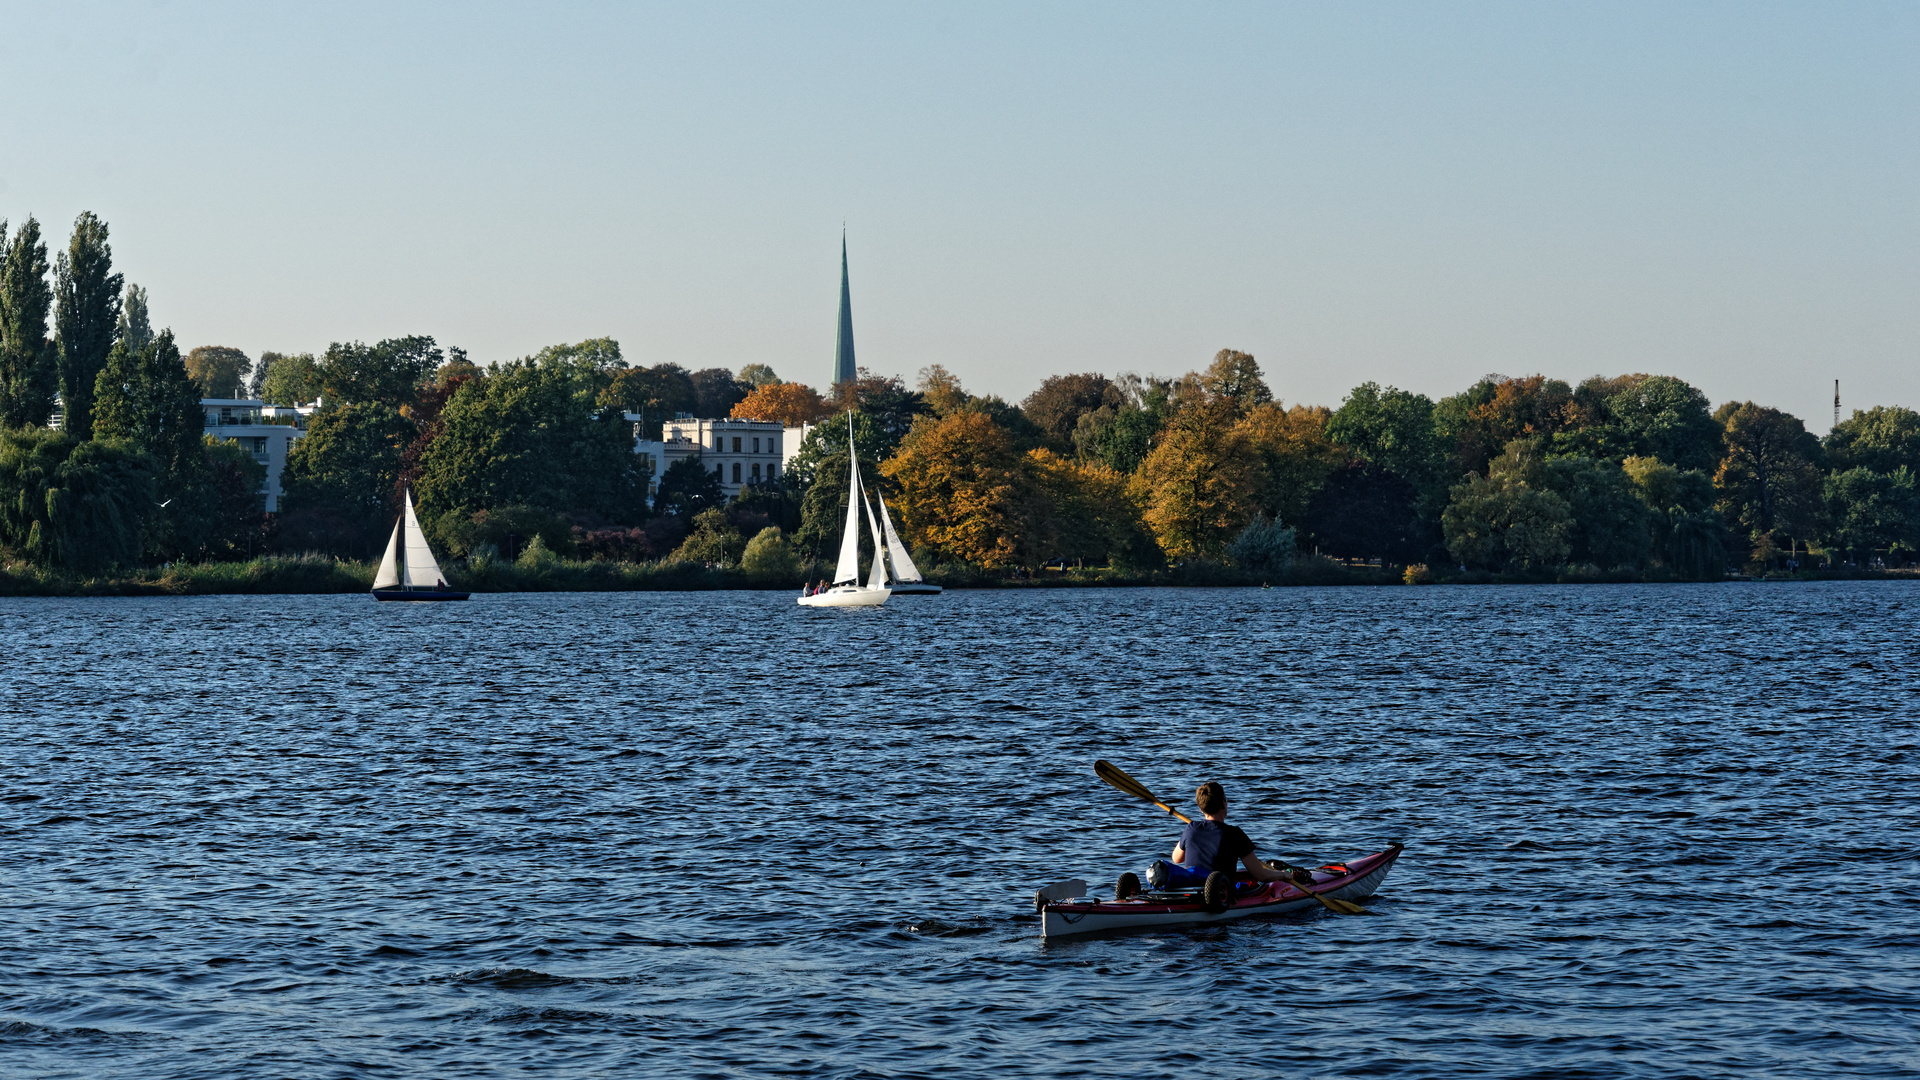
(786, 403)
(1298, 455)
(962, 484)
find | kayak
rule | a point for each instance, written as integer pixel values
(1065, 909)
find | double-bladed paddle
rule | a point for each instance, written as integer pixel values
(1116, 776)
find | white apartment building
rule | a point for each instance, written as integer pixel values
(741, 452)
(264, 430)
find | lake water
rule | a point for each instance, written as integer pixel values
(1662, 831)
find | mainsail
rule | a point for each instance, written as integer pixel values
(421, 571)
(849, 568)
(903, 568)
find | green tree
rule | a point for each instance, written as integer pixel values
(135, 328)
(87, 298)
(1870, 511)
(757, 376)
(1508, 519)
(287, 380)
(1392, 428)
(229, 512)
(1610, 522)
(528, 434)
(660, 392)
(1769, 481)
(769, 557)
(688, 488)
(713, 540)
(1265, 546)
(886, 400)
(828, 439)
(716, 392)
(390, 372)
(1365, 511)
(1688, 537)
(77, 505)
(1881, 439)
(348, 463)
(1663, 417)
(219, 371)
(29, 368)
(144, 396)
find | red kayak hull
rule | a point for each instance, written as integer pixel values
(1361, 877)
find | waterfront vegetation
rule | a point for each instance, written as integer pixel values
(525, 478)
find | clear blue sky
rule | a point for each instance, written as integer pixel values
(1414, 194)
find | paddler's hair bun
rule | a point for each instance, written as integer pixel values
(1211, 797)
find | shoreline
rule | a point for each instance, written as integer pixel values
(314, 575)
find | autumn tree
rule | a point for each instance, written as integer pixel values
(219, 371)
(29, 368)
(1476, 425)
(791, 404)
(1235, 377)
(1296, 453)
(961, 483)
(87, 317)
(1200, 482)
(1057, 406)
(1076, 510)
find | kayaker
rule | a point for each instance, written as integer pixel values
(1211, 844)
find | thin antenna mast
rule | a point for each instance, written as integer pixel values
(1836, 403)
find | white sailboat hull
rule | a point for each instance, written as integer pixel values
(847, 596)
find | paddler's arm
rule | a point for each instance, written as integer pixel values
(1261, 871)
(1179, 855)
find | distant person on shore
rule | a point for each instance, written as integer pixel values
(1210, 845)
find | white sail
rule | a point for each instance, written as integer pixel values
(389, 574)
(849, 568)
(421, 571)
(877, 579)
(903, 568)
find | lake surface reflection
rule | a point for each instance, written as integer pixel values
(1652, 831)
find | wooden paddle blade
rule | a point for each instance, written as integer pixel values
(1114, 775)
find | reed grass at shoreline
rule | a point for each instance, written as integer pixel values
(317, 575)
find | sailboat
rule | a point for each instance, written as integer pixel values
(905, 578)
(408, 571)
(846, 590)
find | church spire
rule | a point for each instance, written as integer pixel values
(843, 366)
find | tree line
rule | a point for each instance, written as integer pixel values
(103, 462)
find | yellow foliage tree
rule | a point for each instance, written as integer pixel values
(1082, 510)
(1199, 484)
(963, 484)
(787, 403)
(1296, 453)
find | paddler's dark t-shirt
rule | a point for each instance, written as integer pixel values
(1214, 845)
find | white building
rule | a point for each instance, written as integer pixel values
(264, 430)
(741, 453)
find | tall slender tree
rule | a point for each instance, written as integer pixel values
(29, 375)
(87, 317)
(145, 396)
(135, 329)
